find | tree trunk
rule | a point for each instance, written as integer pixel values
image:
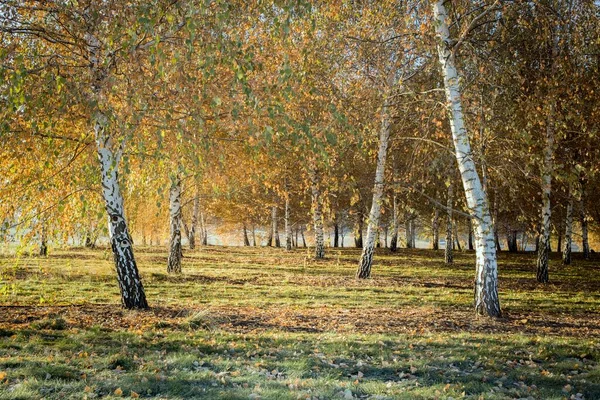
(303, 238)
(436, 230)
(358, 229)
(204, 230)
(411, 230)
(585, 244)
(194, 222)
(486, 276)
(43, 241)
(246, 240)
(336, 234)
(288, 226)
(174, 261)
(253, 235)
(270, 237)
(275, 228)
(317, 216)
(130, 283)
(448, 254)
(548, 168)
(470, 226)
(456, 236)
(568, 232)
(366, 259)
(394, 240)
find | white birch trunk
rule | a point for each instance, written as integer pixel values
(486, 275)
(130, 284)
(547, 170)
(132, 290)
(568, 232)
(366, 259)
(317, 216)
(174, 261)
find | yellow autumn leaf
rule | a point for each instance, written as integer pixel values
(118, 392)
(134, 395)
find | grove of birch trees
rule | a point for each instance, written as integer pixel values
(299, 124)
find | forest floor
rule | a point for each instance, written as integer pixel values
(262, 323)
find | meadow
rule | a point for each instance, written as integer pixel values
(264, 323)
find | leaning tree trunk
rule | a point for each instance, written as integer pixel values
(174, 261)
(585, 244)
(288, 226)
(194, 222)
(486, 276)
(394, 240)
(407, 228)
(568, 232)
(366, 259)
(436, 230)
(317, 215)
(130, 284)
(448, 254)
(132, 290)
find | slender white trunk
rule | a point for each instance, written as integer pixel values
(448, 253)
(174, 261)
(288, 226)
(568, 232)
(547, 171)
(366, 259)
(486, 275)
(317, 215)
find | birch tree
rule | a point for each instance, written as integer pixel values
(486, 272)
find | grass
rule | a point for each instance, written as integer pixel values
(245, 323)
